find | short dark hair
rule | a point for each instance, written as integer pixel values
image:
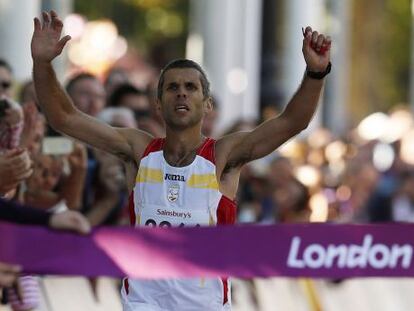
(184, 63)
(5, 64)
(76, 78)
(123, 90)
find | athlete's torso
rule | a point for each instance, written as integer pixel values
(178, 196)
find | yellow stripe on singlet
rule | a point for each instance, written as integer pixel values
(203, 181)
(149, 175)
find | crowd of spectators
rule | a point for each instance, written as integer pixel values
(364, 176)
(316, 177)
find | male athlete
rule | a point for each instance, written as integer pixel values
(184, 179)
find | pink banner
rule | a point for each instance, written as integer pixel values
(310, 250)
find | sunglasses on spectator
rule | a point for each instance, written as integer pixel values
(5, 84)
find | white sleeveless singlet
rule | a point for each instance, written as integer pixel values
(178, 196)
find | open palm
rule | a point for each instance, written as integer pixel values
(46, 41)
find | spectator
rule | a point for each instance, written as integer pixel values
(127, 95)
(5, 79)
(27, 93)
(57, 178)
(114, 78)
(34, 129)
(292, 202)
(11, 124)
(107, 192)
(402, 204)
(87, 93)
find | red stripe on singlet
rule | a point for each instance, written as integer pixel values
(226, 215)
(207, 150)
(155, 145)
(226, 211)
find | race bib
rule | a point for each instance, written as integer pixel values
(160, 216)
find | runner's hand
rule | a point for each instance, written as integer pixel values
(46, 41)
(316, 50)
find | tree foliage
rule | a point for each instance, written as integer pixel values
(380, 55)
(153, 26)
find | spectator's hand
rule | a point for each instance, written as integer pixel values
(112, 177)
(31, 115)
(316, 50)
(46, 43)
(8, 274)
(78, 159)
(15, 166)
(70, 220)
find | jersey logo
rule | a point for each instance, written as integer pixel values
(174, 177)
(172, 192)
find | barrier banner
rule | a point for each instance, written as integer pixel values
(294, 250)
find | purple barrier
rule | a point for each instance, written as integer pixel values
(309, 250)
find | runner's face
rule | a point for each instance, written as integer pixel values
(183, 104)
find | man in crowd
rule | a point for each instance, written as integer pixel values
(87, 93)
(15, 163)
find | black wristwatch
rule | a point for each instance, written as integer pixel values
(319, 75)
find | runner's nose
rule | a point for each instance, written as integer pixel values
(182, 93)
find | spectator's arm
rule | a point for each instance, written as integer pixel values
(102, 208)
(67, 220)
(31, 116)
(111, 186)
(73, 185)
(14, 212)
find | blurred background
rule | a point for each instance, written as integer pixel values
(353, 164)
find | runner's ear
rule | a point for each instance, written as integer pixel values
(208, 105)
